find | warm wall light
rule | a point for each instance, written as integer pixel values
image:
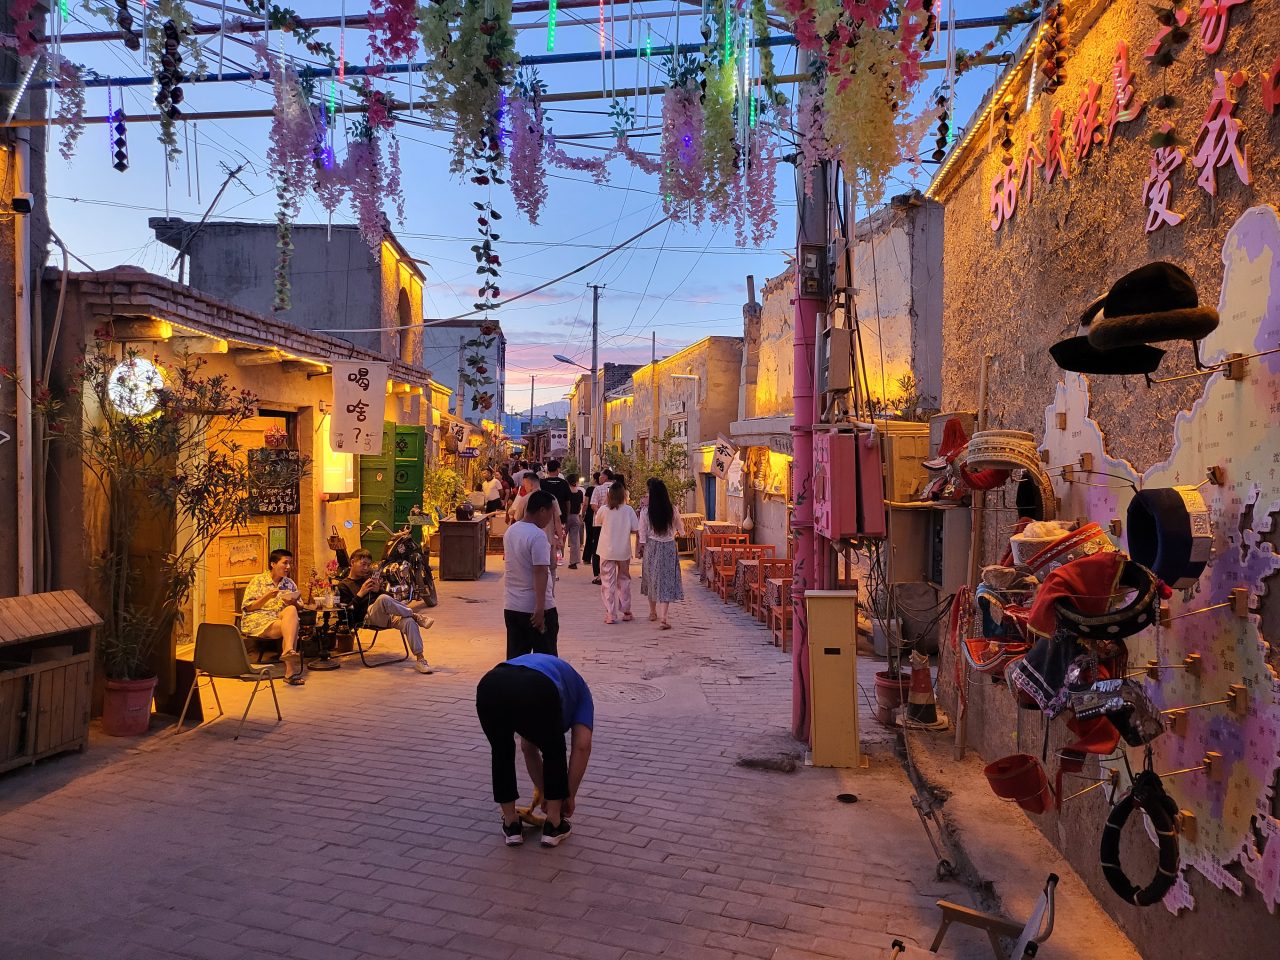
(337, 470)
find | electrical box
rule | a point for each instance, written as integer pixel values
(835, 489)
(949, 548)
(813, 272)
(833, 677)
(835, 360)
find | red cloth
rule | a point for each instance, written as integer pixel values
(1091, 583)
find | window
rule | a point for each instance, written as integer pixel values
(681, 428)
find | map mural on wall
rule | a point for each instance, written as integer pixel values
(1234, 425)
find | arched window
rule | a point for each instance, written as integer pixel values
(409, 335)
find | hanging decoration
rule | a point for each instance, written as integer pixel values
(69, 78)
(124, 20)
(295, 144)
(486, 167)
(1087, 130)
(1006, 130)
(1053, 47)
(528, 145)
(119, 141)
(1017, 14)
(768, 77)
(1165, 159)
(27, 17)
(869, 60)
(288, 20)
(393, 30)
(944, 131)
(169, 33)
(1163, 49)
(1125, 104)
(684, 174)
(1218, 142)
(814, 147)
(1215, 18)
(719, 138)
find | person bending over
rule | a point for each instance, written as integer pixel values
(528, 587)
(538, 697)
(270, 610)
(362, 592)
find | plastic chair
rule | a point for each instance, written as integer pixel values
(220, 652)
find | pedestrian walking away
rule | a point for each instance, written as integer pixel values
(363, 594)
(573, 524)
(617, 522)
(528, 588)
(595, 498)
(539, 698)
(491, 490)
(660, 579)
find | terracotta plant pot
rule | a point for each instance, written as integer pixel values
(126, 707)
(891, 692)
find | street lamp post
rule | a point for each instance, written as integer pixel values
(596, 391)
(561, 358)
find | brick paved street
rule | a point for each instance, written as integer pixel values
(362, 824)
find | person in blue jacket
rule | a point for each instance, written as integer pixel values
(540, 698)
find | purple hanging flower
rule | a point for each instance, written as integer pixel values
(528, 144)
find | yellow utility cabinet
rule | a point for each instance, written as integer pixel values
(833, 677)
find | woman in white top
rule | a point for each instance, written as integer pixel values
(660, 562)
(617, 522)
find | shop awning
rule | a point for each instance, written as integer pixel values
(771, 432)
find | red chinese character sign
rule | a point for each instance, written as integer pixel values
(1032, 161)
(1215, 17)
(1056, 157)
(1004, 196)
(1219, 140)
(1165, 159)
(1125, 104)
(1087, 128)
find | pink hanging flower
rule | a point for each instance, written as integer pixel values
(393, 30)
(365, 179)
(25, 24)
(70, 84)
(761, 178)
(598, 167)
(683, 176)
(642, 162)
(394, 188)
(528, 143)
(331, 184)
(814, 145)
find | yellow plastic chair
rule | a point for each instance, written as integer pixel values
(220, 653)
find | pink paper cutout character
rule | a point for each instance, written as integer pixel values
(1032, 160)
(1156, 188)
(1004, 196)
(1056, 156)
(1125, 106)
(1215, 17)
(1086, 130)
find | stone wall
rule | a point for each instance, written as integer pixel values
(1012, 293)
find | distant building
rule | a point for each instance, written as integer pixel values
(612, 377)
(443, 345)
(372, 298)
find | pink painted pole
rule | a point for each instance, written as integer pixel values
(811, 225)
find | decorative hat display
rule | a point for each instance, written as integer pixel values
(1083, 542)
(1022, 779)
(1036, 536)
(1147, 795)
(1012, 450)
(1139, 613)
(957, 478)
(1052, 671)
(1126, 704)
(1078, 355)
(1153, 304)
(1089, 585)
(1170, 531)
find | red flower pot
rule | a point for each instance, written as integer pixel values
(126, 707)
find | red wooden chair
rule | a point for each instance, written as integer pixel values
(778, 617)
(727, 564)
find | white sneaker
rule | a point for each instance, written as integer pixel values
(422, 666)
(424, 621)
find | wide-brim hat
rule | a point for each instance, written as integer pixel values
(1153, 304)
(1021, 779)
(1080, 355)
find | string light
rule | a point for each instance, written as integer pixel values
(551, 26)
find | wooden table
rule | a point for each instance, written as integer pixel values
(775, 589)
(708, 561)
(743, 575)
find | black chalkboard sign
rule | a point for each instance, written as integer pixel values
(274, 481)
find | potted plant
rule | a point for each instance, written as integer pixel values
(169, 478)
(443, 491)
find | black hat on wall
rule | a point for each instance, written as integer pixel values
(1153, 304)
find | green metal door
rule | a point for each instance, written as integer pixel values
(377, 492)
(410, 446)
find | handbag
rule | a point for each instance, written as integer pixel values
(335, 538)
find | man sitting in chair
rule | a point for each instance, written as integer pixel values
(269, 611)
(362, 592)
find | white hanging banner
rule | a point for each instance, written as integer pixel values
(723, 456)
(359, 397)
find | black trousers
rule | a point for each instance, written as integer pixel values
(514, 700)
(591, 542)
(523, 637)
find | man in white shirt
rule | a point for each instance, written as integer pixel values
(599, 494)
(528, 588)
(491, 490)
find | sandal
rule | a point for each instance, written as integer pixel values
(291, 677)
(664, 625)
(627, 618)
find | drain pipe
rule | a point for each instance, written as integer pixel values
(23, 362)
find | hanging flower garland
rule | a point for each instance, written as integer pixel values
(26, 21)
(528, 141)
(69, 79)
(1016, 15)
(814, 146)
(719, 138)
(486, 168)
(362, 171)
(296, 140)
(288, 20)
(768, 76)
(684, 174)
(393, 30)
(761, 180)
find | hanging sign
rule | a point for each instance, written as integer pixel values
(273, 481)
(359, 394)
(456, 436)
(722, 457)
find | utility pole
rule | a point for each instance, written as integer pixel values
(531, 379)
(597, 389)
(461, 383)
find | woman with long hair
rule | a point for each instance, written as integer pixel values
(617, 521)
(660, 524)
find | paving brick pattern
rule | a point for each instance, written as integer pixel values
(362, 826)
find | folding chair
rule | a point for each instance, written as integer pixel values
(378, 631)
(220, 652)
